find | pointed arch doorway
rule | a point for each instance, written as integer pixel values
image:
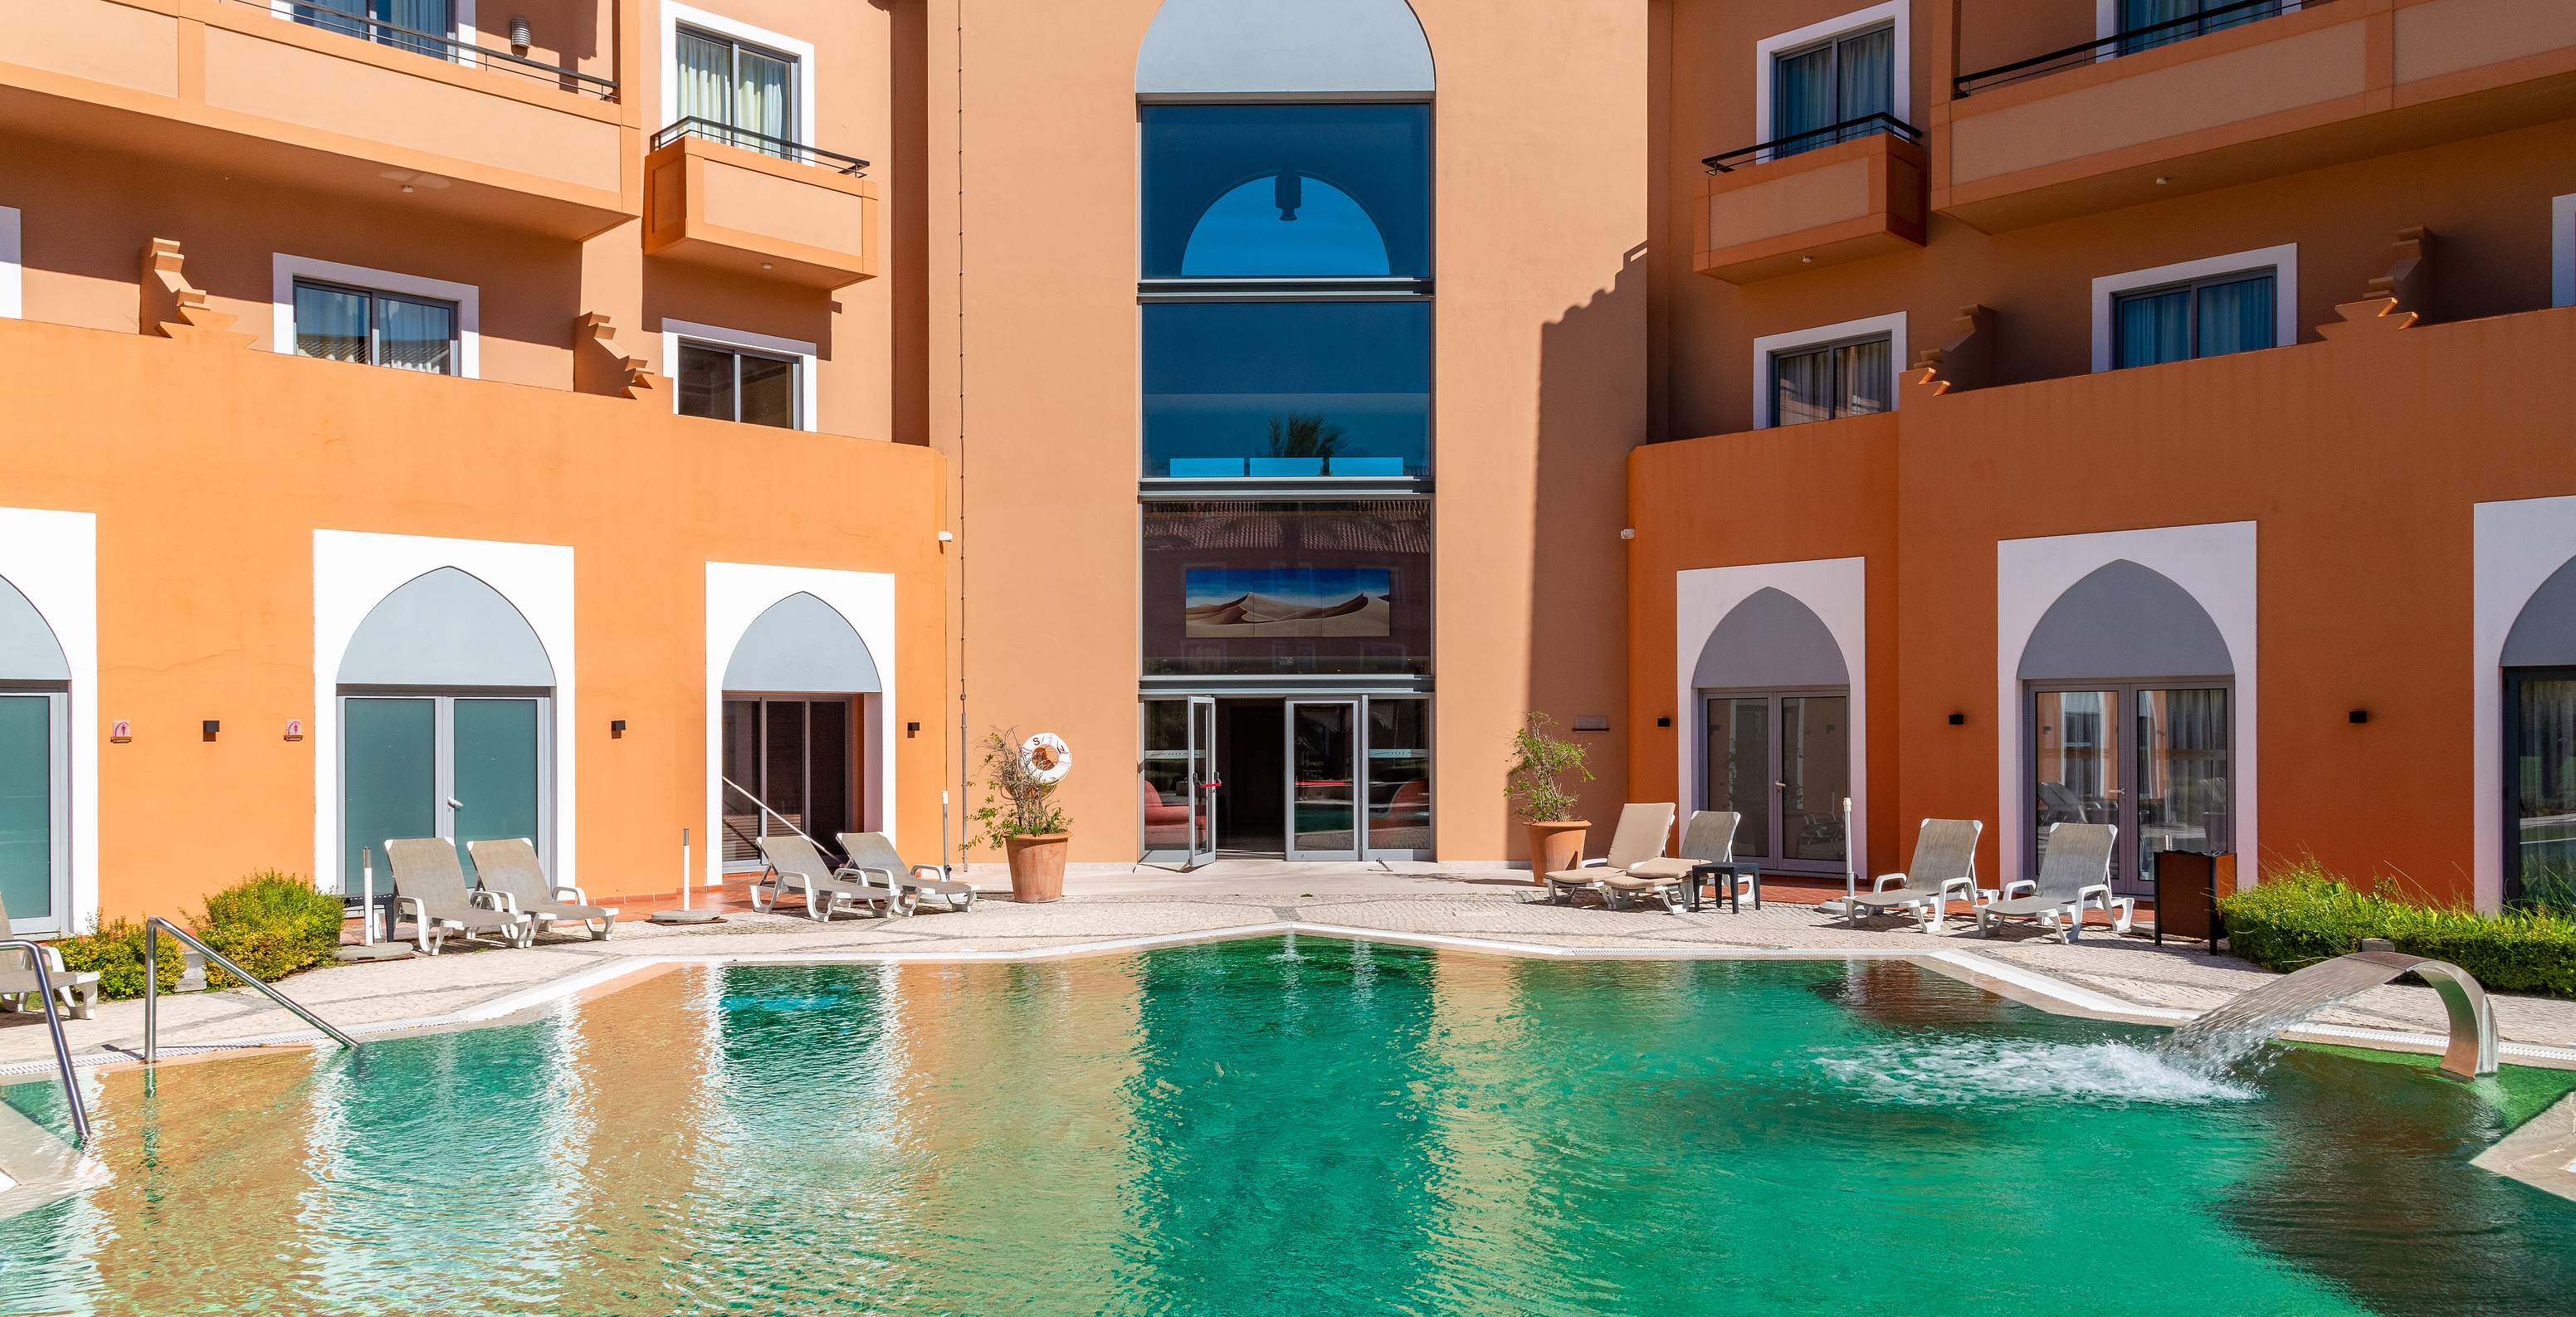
(1775, 715)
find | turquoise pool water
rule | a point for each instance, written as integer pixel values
(1260, 1128)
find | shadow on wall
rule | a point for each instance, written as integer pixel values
(1591, 412)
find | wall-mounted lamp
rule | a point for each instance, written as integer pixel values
(945, 537)
(1958, 720)
(616, 728)
(1663, 722)
(520, 36)
(295, 729)
(120, 731)
(2358, 715)
(911, 730)
(212, 727)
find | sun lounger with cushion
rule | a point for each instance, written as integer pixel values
(1642, 829)
(795, 863)
(2075, 867)
(872, 854)
(509, 867)
(1944, 869)
(429, 889)
(1710, 839)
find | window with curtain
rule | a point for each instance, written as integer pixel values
(2137, 14)
(2207, 318)
(403, 23)
(339, 323)
(1835, 379)
(2540, 793)
(737, 384)
(729, 85)
(1832, 82)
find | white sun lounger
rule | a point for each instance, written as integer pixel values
(509, 868)
(794, 863)
(1944, 869)
(1709, 839)
(2075, 868)
(873, 855)
(429, 888)
(1642, 829)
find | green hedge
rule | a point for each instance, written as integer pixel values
(2305, 915)
(114, 951)
(271, 924)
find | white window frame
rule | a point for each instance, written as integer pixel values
(2284, 263)
(806, 394)
(284, 270)
(2562, 250)
(1766, 53)
(675, 15)
(1765, 347)
(12, 274)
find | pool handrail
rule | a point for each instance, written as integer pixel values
(152, 987)
(62, 1046)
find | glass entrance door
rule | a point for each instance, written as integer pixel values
(467, 767)
(1176, 786)
(34, 812)
(1323, 780)
(786, 767)
(1783, 762)
(2151, 760)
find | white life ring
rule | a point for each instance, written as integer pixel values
(1046, 757)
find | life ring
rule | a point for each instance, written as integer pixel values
(1046, 757)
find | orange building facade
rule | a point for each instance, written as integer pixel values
(727, 415)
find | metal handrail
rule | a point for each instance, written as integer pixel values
(2129, 43)
(725, 134)
(152, 987)
(763, 807)
(54, 1025)
(383, 33)
(1874, 124)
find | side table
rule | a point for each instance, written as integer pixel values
(1733, 869)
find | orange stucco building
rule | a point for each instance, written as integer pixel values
(597, 418)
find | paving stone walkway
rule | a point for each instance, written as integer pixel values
(1492, 904)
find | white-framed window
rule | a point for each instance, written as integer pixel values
(2204, 308)
(1818, 374)
(2562, 250)
(736, 375)
(1825, 68)
(690, 82)
(11, 305)
(352, 313)
(389, 22)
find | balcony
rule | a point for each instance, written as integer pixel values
(1842, 193)
(758, 205)
(2238, 93)
(341, 104)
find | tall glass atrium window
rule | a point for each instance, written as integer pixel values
(1287, 320)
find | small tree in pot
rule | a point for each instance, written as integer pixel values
(1536, 788)
(1020, 817)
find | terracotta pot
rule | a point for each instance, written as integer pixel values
(1037, 866)
(1555, 847)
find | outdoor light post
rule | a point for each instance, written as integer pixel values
(688, 913)
(368, 948)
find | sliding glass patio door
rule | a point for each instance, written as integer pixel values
(2152, 759)
(1782, 760)
(470, 767)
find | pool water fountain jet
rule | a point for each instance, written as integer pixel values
(2221, 1037)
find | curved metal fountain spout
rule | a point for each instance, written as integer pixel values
(2242, 1025)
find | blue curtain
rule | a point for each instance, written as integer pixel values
(2151, 329)
(417, 336)
(1802, 99)
(330, 323)
(1866, 75)
(2236, 317)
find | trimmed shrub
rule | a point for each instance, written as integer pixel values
(114, 951)
(271, 924)
(2306, 915)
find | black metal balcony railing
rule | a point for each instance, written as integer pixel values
(1849, 130)
(708, 130)
(2130, 42)
(446, 48)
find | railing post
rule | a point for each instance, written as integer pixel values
(151, 991)
(62, 1045)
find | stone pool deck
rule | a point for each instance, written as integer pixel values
(2120, 976)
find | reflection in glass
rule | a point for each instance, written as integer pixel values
(1246, 191)
(496, 773)
(330, 323)
(384, 329)
(726, 384)
(1739, 769)
(1228, 540)
(1323, 782)
(416, 335)
(1399, 774)
(1293, 388)
(2209, 319)
(2181, 776)
(1815, 775)
(2077, 773)
(389, 783)
(1172, 764)
(1847, 78)
(793, 756)
(1849, 379)
(26, 807)
(2540, 745)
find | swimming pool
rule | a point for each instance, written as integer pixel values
(1311, 1127)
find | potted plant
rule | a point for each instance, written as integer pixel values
(1020, 817)
(1536, 788)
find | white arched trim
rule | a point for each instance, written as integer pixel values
(1836, 590)
(2215, 563)
(52, 557)
(1212, 49)
(2518, 546)
(737, 594)
(353, 571)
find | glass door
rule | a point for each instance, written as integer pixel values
(34, 812)
(2539, 785)
(2149, 759)
(1323, 785)
(471, 768)
(1176, 788)
(1783, 762)
(786, 766)
(1399, 778)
